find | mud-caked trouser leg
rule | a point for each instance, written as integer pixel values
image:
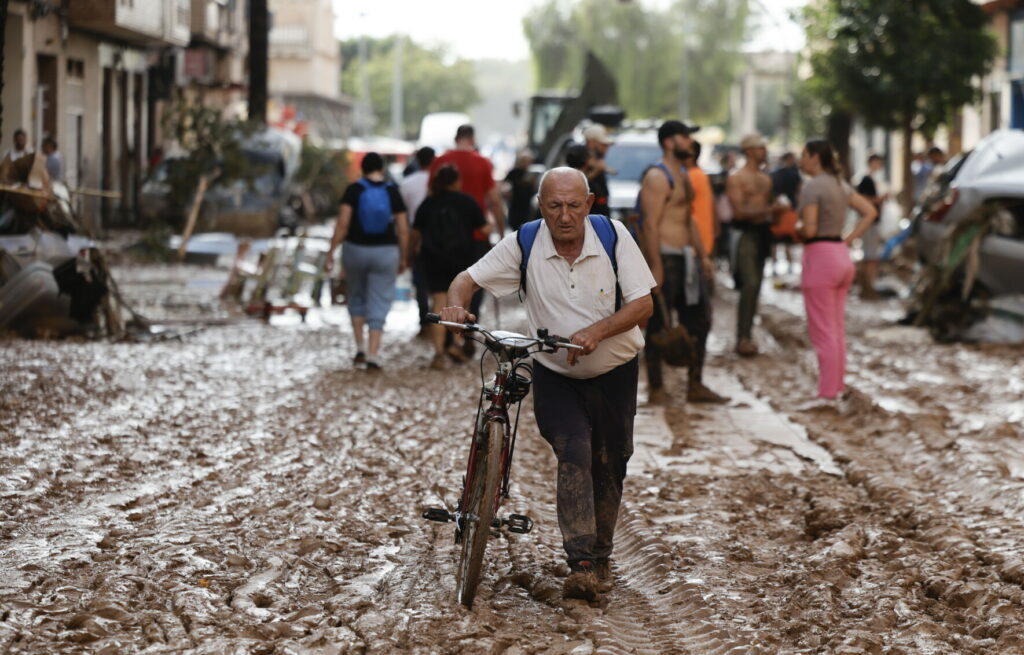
(696, 319)
(750, 261)
(589, 424)
(671, 290)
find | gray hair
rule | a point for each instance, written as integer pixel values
(563, 169)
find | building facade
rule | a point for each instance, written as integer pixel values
(80, 72)
(214, 66)
(304, 77)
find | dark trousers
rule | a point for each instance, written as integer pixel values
(751, 254)
(423, 301)
(477, 302)
(589, 424)
(695, 318)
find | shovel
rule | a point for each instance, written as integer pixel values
(673, 342)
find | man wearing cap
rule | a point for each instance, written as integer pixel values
(597, 143)
(750, 193)
(680, 264)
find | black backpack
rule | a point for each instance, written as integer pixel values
(449, 238)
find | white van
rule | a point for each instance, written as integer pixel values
(437, 130)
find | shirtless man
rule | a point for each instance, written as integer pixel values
(750, 194)
(681, 267)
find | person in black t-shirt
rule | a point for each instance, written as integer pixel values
(871, 241)
(375, 234)
(520, 188)
(443, 237)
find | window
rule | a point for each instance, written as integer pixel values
(76, 68)
(1017, 42)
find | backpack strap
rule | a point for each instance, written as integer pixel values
(668, 173)
(606, 233)
(525, 237)
(609, 237)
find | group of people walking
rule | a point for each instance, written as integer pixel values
(596, 281)
(434, 223)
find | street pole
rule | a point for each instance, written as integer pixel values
(259, 28)
(3, 31)
(684, 84)
(396, 89)
(365, 109)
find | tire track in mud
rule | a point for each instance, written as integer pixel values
(652, 610)
(967, 575)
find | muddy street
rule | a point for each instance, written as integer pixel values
(243, 489)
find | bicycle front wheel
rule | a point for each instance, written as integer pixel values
(479, 513)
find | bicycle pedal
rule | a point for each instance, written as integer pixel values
(439, 514)
(518, 523)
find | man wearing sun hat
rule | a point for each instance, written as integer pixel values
(597, 142)
(750, 193)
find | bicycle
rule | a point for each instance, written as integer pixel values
(486, 482)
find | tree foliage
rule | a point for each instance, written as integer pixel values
(899, 63)
(433, 80)
(643, 46)
(215, 147)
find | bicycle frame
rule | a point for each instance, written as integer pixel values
(496, 411)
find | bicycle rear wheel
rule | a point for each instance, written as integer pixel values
(479, 512)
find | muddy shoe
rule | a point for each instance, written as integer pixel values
(438, 363)
(746, 348)
(698, 393)
(870, 293)
(360, 358)
(657, 397)
(373, 365)
(582, 583)
(456, 353)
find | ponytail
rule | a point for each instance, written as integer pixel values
(826, 155)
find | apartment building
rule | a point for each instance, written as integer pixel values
(304, 77)
(1002, 104)
(80, 72)
(214, 68)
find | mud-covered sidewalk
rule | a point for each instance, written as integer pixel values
(242, 489)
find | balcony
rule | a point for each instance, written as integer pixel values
(219, 23)
(137, 22)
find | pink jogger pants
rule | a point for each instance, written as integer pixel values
(826, 279)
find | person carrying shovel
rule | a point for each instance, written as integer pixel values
(681, 267)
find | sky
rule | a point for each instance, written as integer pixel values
(496, 26)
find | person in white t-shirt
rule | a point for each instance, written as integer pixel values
(584, 401)
(413, 190)
(21, 147)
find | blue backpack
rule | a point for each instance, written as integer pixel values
(374, 212)
(638, 208)
(606, 232)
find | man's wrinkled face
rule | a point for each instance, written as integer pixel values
(564, 204)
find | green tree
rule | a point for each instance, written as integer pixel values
(643, 46)
(215, 147)
(904, 65)
(432, 80)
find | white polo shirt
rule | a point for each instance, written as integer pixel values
(565, 299)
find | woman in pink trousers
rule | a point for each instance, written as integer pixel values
(827, 267)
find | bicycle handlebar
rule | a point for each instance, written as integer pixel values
(543, 338)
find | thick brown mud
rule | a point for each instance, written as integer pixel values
(242, 489)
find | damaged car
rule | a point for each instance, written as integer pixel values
(990, 176)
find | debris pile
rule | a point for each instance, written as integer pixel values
(54, 281)
(950, 300)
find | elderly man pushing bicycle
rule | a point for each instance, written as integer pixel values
(584, 276)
